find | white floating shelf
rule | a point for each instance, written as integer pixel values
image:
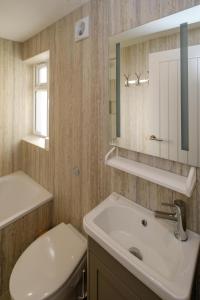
(178, 183)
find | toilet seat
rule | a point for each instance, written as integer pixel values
(47, 263)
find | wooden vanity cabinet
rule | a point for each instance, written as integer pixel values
(109, 280)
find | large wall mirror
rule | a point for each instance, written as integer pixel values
(154, 80)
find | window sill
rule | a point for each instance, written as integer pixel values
(37, 141)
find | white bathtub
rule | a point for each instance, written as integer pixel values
(19, 195)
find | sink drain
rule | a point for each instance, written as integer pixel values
(136, 252)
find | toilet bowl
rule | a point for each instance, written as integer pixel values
(51, 267)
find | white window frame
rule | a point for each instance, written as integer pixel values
(38, 87)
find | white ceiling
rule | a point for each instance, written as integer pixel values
(21, 19)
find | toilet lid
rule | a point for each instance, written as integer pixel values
(47, 263)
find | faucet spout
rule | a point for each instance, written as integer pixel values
(179, 216)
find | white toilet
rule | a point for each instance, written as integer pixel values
(51, 266)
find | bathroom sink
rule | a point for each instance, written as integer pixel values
(145, 246)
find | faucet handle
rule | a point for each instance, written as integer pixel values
(171, 206)
(168, 204)
(179, 203)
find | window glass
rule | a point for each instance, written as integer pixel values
(42, 74)
(41, 101)
(41, 112)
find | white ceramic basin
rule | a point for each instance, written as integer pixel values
(168, 265)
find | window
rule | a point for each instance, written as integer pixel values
(41, 100)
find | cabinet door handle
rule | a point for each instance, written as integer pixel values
(154, 138)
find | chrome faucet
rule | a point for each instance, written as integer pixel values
(179, 216)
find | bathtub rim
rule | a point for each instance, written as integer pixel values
(33, 207)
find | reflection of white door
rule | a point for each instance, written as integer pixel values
(162, 112)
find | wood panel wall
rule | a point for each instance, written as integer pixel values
(79, 114)
(15, 104)
(77, 108)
